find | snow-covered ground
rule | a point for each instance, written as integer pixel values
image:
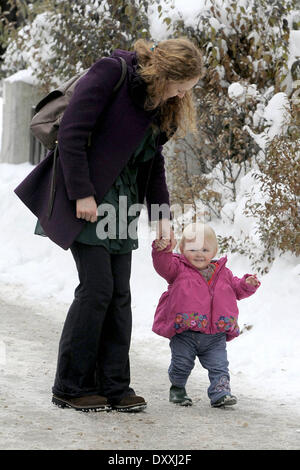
(30, 421)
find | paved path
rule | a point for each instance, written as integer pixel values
(29, 336)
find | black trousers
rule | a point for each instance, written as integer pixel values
(93, 356)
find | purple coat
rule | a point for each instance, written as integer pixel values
(118, 124)
(192, 303)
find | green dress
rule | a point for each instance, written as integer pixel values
(116, 229)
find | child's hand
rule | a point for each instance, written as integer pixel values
(164, 232)
(161, 244)
(252, 280)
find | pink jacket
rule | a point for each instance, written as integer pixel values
(193, 303)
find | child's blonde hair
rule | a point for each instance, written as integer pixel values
(200, 232)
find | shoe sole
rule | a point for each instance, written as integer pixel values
(64, 404)
(227, 402)
(130, 408)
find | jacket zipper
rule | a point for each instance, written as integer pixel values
(211, 291)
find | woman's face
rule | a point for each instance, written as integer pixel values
(179, 88)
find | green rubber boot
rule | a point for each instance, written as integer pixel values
(178, 395)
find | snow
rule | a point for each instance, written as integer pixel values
(240, 93)
(294, 46)
(1, 114)
(276, 117)
(188, 10)
(174, 9)
(30, 56)
(277, 114)
(235, 90)
(25, 75)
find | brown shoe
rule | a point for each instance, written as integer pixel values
(130, 403)
(86, 403)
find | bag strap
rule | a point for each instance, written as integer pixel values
(53, 183)
(123, 73)
(55, 156)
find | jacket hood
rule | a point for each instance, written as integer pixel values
(129, 56)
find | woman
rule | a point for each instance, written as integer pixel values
(124, 160)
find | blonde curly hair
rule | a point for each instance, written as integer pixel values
(172, 60)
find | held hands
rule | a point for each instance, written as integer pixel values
(252, 280)
(161, 244)
(164, 235)
(86, 209)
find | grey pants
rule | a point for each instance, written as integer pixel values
(211, 352)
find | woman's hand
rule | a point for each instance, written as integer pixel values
(161, 244)
(164, 235)
(86, 209)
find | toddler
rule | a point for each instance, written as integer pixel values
(198, 312)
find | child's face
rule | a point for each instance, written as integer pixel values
(199, 254)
